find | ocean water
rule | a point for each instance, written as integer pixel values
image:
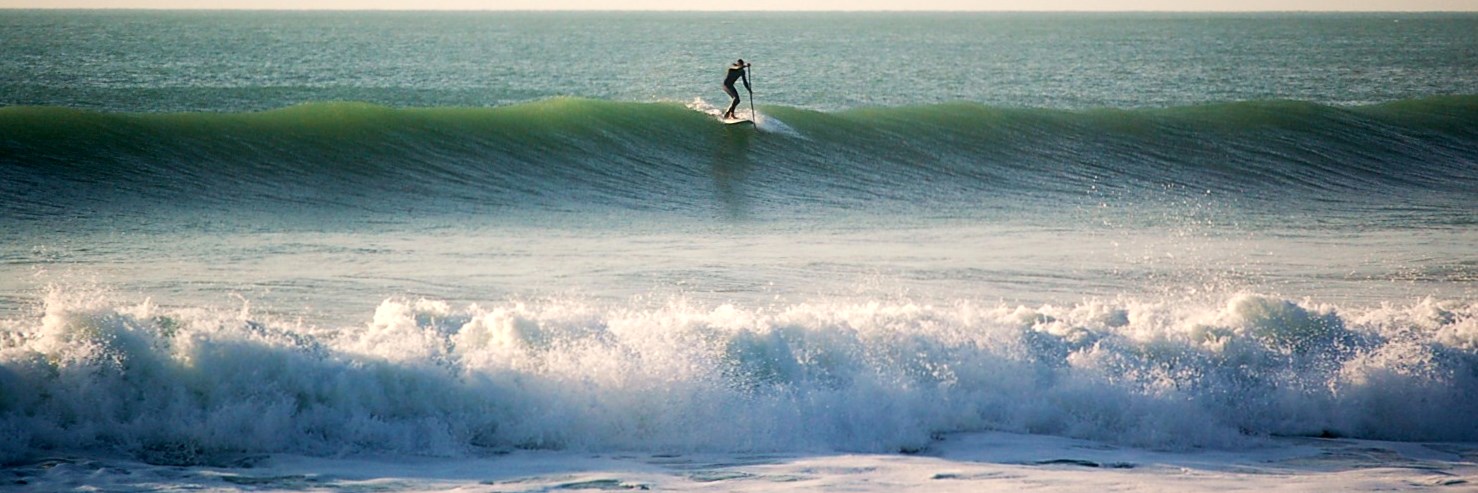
(517, 252)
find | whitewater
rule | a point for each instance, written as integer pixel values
(350, 251)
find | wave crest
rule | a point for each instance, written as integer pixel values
(581, 152)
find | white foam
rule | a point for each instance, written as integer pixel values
(424, 377)
(702, 106)
(763, 122)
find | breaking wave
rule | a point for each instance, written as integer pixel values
(199, 385)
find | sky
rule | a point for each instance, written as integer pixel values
(959, 5)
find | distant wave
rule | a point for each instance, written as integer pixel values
(198, 385)
(598, 153)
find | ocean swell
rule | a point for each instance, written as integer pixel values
(570, 152)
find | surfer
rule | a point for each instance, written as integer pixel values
(736, 72)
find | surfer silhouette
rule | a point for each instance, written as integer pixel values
(736, 72)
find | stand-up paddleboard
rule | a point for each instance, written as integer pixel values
(731, 121)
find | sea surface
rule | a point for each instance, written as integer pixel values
(484, 251)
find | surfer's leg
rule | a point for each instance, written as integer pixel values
(734, 100)
(733, 105)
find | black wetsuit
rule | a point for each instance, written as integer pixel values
(736, 72)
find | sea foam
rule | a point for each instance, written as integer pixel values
(85, 371)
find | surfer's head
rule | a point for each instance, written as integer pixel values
(740, 62)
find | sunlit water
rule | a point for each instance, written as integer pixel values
(249, 238)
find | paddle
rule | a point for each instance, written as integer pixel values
(749, 79)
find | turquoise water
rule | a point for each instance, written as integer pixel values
(200, 61)
(453, 234)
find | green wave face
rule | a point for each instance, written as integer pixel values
(594, 153)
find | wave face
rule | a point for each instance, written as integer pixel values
(195, 385)
(578, 153)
